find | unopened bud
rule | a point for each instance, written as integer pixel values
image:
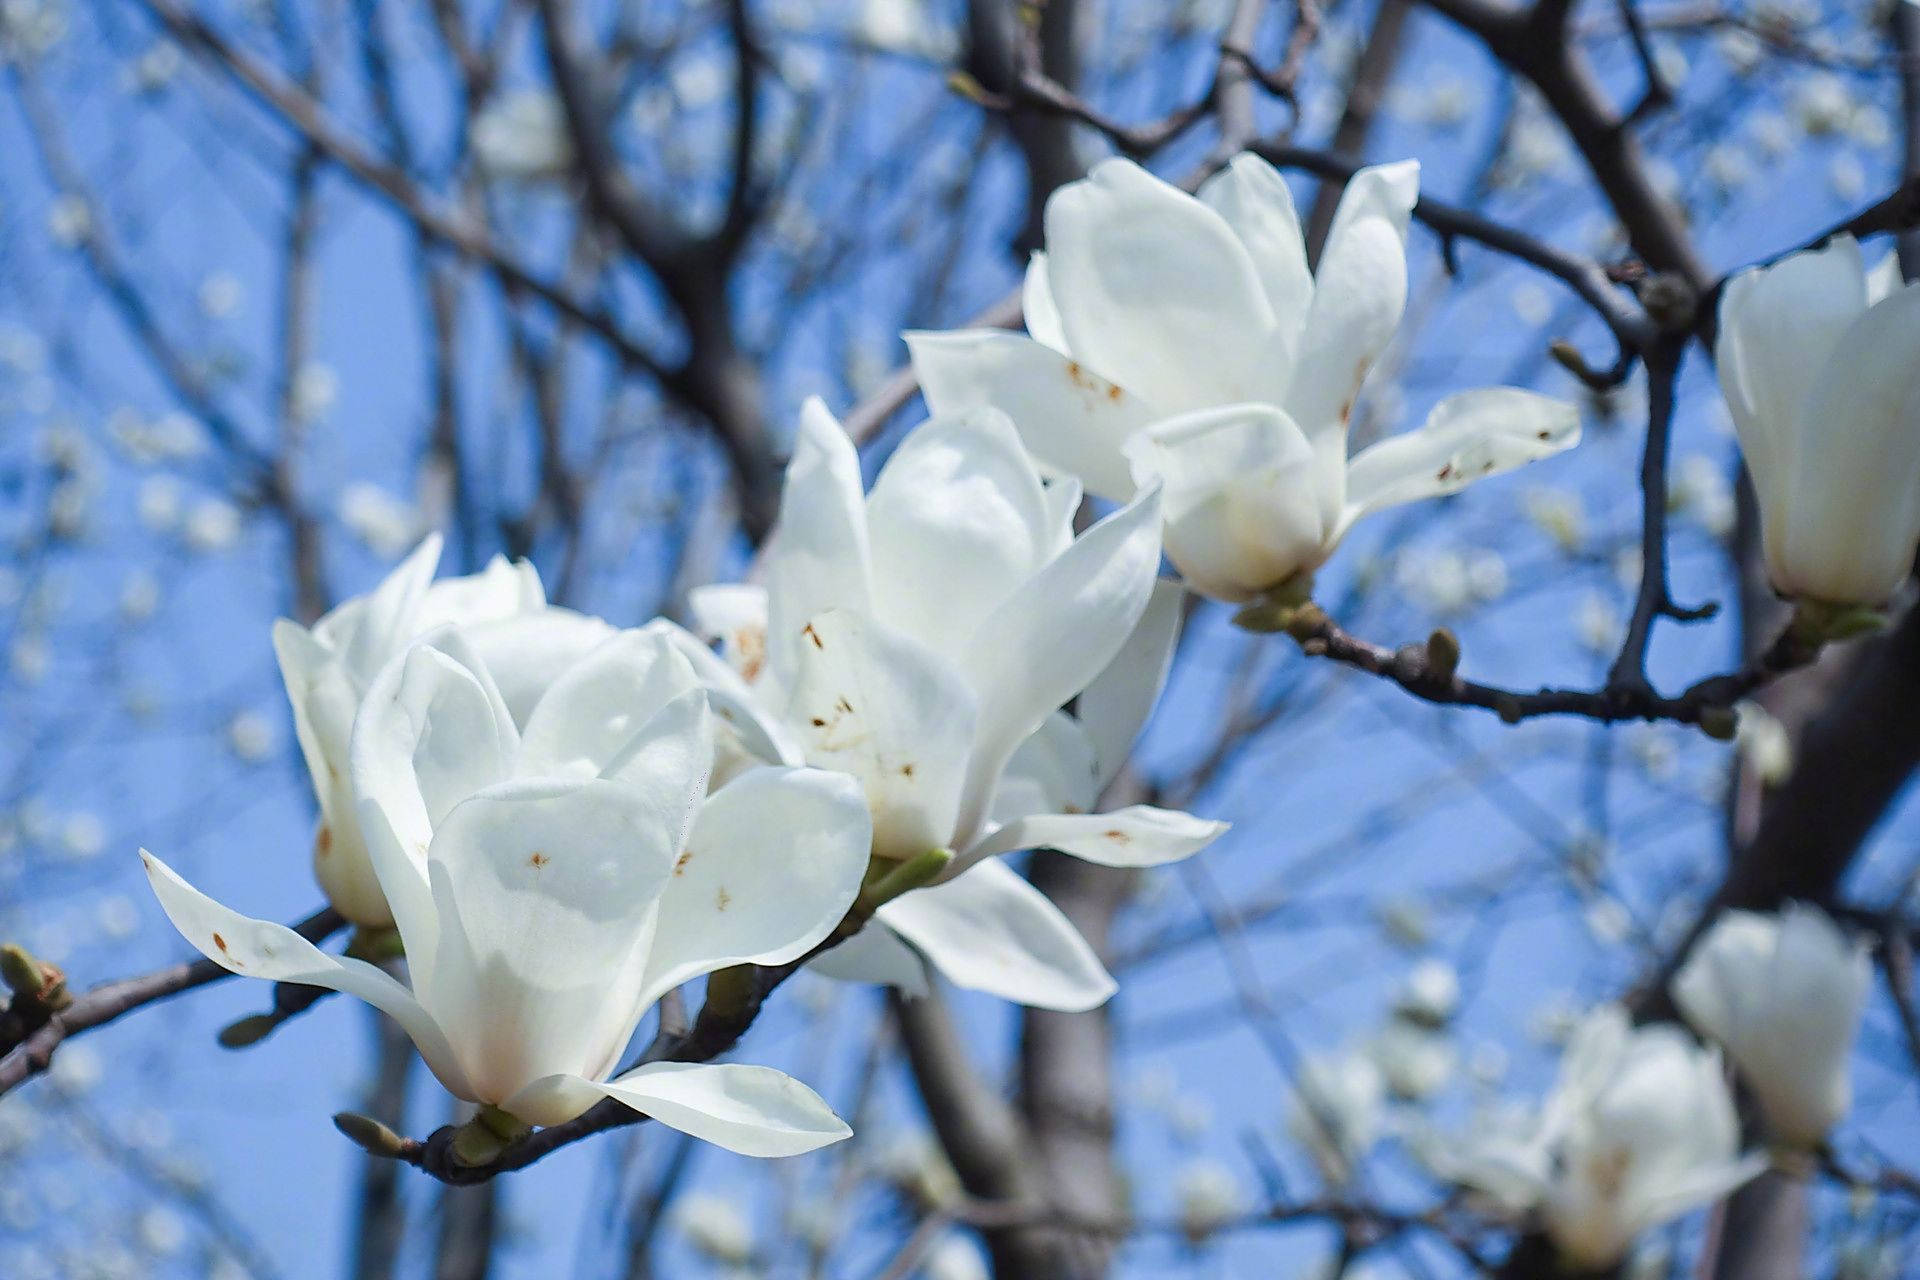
(1719, 723)
(376, 946)
(250, 1030)
(481, 1140)
(1443, 654)
(370, 1135)
(33, 979)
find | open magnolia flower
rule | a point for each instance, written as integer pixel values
(1820, 363)
(551, 884)
(1782, 994)
(1639, 1130)
(1184, 340)
(504, 613)
(922, 639)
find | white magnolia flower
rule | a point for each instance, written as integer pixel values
(1639, 1130)
(550, 884)
(714, 1226)
(1210, 1196)
(327, 670)
(1782, 994)
(1337, 1112)
(1415, 1060)
(1430, 994)
(922, 639)
(1820, 364)
(523, 137)
(1183, 339)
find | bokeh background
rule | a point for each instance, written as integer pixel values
(283, 286)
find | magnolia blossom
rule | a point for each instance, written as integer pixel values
(327, 670)
(523, 137)
(550, 884)
(1782, 994)
(1640, 1129)
(1184, 340)
(1337, 1112)
(922, 640)
(1820, 363)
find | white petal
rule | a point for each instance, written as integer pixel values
(596, 707)
(325, 697)
(669, 760)
(1778, 325)
(500, 590)
(989, 930)
(755, 1111)
(1359, 294)
(1242, 498)
(741, 707)
(958, 519)
(1155, 291)
(1467, 437)
(385, 619)
(1036, 301)
(1049, 640)
(1136, 836)
(735, 615)
(428, 735)
(1072, 419)
(1064, 495)
(773, 862)
(1256, 203)
(1115, 706)
(547, 893)
(1853, 486)
(261, 949)
(875, 955)
(1054, 771)
(872, 703)
(817, 557)
(526, 652)
(1884, 277)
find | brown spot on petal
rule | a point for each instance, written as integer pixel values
(539, 860)
(818, 723)
(680, 863)
(812, 635)
(1114, 393)
(906, 771)
(219, 942)
(1546, 435)
(843, 706)
(323, 841)
(1118, 836)
(721, 899)
(1445, 473)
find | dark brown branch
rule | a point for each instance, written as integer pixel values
(100, 1005)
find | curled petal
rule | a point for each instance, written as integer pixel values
(989, 930)
(1073, 420)
(262, 949)
(1137, 836)
(1467, 437)
(755, 1111)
